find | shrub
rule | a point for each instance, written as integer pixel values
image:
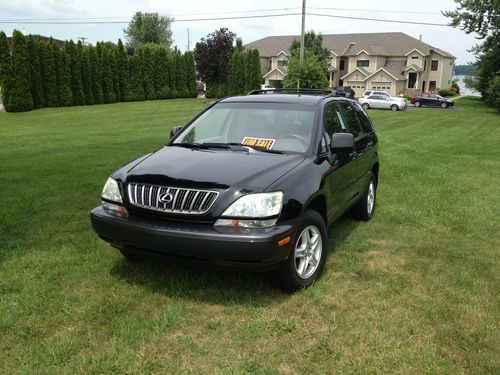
(445, 92)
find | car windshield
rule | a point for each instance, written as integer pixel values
(263, 126)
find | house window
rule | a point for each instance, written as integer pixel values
(414, 57)
(362, 63)
(342, 64)
(434, 65)
(282, 63)
(432, 85)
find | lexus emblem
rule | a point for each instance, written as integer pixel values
(166, 198)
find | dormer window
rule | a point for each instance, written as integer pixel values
(414, 57)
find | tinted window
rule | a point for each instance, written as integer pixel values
(352, 119)
(367, 93)
(366, 124)
(376, 97)
(333, 123)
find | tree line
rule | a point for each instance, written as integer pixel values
(34, 74)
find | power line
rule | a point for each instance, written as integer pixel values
(230, 18)
(128, 17)
(378, 19)
(375, 10)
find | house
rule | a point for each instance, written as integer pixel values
(394, 62)
(44, 39)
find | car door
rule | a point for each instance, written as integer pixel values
(362, 145)
(338, 176)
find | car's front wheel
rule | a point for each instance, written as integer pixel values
(308, 256)
(394, 107)
(365, 105)
(444, 105)
(417, 104)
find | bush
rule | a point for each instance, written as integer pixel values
(445, 92)
(493, 92)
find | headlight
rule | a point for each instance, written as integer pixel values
(253, 206)
(111, 191)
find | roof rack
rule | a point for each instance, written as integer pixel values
(322, 92)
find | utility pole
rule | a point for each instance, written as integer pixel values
(302, 31)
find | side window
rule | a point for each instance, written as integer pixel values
(366, 124)
(332, 123)
(352, 119)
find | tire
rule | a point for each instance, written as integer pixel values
(299, 271)
(132, 256)
(394, 108)
(444, 105)
(417, 104)
(365, 207)
(365, 105)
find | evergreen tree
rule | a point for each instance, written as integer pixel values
(180, 76)
(57, 57)
(76, 72)
(20, 99)
(172, 74)
(35, 75)
(123, 72)
(236, 78)
(48, 72)
(162, 74)
(136, 91)
(192, 87)
(114, 72)
(253, 77)
(86, 76)
(107, 75)
(96, 77)
(64, 75)
(5, 69)
(146, 54)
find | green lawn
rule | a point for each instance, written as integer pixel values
(416, 290)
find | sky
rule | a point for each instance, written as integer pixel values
(455, 41)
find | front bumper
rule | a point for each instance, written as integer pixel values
(257, 249)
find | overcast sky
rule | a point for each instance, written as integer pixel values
(452, 40)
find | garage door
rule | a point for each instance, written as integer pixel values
(357, 86)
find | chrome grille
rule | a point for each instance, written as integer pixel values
(184, 201)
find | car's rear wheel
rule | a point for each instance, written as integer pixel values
(308, 256)
(364, 208)
(417, 104)
(444, 105)
(394, 107)
(365, 105)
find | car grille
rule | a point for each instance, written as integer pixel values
(170, 199)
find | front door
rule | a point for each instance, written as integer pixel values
(412, 80)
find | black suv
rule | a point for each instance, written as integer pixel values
(431, 100)
(252, 181)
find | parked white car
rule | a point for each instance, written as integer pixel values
(367, 93)
(382, 102)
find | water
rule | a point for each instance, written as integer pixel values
(464, 90)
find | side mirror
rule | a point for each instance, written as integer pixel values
(175, 130)
(342, 142)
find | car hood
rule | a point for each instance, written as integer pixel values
(213, 168)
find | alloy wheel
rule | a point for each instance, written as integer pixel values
(370, 198)
(308, 251)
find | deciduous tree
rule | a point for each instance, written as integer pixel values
(309, 74)
(149, 28)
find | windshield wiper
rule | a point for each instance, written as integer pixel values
(201, 145)
(258, 148)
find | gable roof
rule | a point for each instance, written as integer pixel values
(385, 44)
(361, 70)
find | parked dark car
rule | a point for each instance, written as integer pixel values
(345, 91)
(252, 181)
(431, 100)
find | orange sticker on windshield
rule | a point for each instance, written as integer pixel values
(266, 143)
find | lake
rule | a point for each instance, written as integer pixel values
(464, 90)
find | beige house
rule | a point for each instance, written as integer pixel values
(394, 62)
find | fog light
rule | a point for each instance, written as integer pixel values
(114, 209)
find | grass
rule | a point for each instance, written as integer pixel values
(416, 290)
